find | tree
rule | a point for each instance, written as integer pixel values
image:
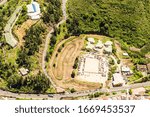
(130, 91)
(14, 81)
(73, 74)
(72, 90)
(75, 66)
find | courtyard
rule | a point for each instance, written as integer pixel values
(93, 68)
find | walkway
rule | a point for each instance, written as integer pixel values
(2, 2)
(49, 35)
(10, 39)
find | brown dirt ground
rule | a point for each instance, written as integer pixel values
(135, 49)
(20, 31)
(61, 74)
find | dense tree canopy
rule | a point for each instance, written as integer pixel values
(33, 40)
(31, 84)
(128, 20)
(52, 12)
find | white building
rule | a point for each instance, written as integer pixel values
(99, 44)
(108, 43)
(23, 71)
(125, 54)
(89, 46)
(91, 40)
(118, 80)
(126, 70)
(33, 10)
(108, 50)
(93, 68)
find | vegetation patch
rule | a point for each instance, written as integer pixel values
(115, 18)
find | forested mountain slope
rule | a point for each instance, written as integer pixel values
(128, 20)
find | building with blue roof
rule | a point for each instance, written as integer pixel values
(33, 10)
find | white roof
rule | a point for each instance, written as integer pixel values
(35, 17)
(108, 49)
(91, 40)
(99, 44)
(89, 46)
(23, 71)
(99, 41)
(125, 69)
(118, 79)
(30, 8)
(125, 54)
(108, 43)
(33, 10)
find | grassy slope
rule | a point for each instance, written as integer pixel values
(125, 19)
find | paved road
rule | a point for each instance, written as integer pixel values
(49, 35)
(76, 94)
(3, 2)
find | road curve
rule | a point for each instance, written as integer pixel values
(3, 2)
(49, 35)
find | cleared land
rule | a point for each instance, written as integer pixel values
(64, 62)
(20, 31)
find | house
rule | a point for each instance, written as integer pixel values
(23, 71)
(148, 68)
(125, 54)
(33, 10)
(108, 50)
(142, 68)
(91, 40)
(138, 91)
(108, 43)
(89, 46)
(99, 45)
(118, 80)
(126, 70)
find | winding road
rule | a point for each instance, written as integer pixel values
(76, 94)
(49, 35)
(3, 2)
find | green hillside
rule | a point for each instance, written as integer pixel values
(128, 20)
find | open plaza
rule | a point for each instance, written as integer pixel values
(93, 68)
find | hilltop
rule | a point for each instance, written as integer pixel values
(127, 20)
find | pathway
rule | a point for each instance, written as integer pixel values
(10, 39)
(49, 35)
(2, 2)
